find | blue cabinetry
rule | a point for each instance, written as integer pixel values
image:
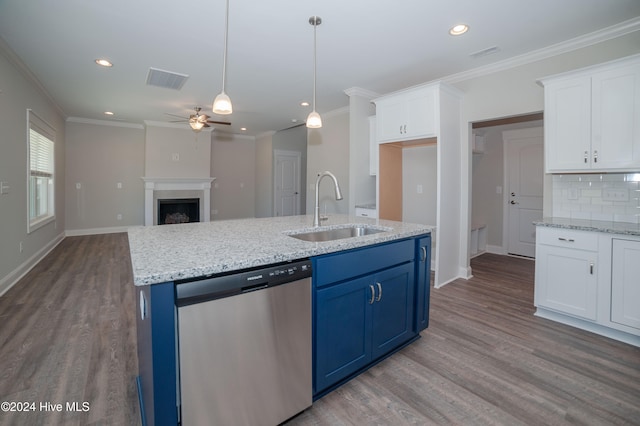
(423, 282)
(364, 309)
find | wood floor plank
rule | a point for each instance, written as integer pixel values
(67, 332)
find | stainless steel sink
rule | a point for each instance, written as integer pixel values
(337, 233)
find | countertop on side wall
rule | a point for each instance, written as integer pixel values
(623, 228)
(173, 252)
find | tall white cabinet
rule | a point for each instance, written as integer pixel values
(424, 115)
(592, 118)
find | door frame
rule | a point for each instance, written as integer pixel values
(276, 154)
(526, 132)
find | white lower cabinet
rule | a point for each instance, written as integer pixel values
(625, 283)
(589, 280)
(566, 279)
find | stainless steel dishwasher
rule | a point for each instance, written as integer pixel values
(244, 346)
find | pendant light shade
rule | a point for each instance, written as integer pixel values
(313, 120)
(222, 103)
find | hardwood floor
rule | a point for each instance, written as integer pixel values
(67, 333)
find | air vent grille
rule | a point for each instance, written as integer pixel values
(166, 79)
(485, 52)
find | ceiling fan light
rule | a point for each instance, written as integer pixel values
(222, 104)
(313, 120)
(196, 125)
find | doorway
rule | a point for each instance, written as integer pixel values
(286, 183)
(491, 186)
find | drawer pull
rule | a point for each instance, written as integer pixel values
(569, 240)
(591, 268)
(379, 292)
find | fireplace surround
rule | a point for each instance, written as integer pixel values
(176, 188)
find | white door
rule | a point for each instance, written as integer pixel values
(286, 183)
(524, 153)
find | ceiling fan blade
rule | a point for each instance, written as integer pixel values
(226, 123)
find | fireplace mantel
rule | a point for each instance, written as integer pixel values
(152, 184)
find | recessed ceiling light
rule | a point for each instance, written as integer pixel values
(459, 29)
(294, 120)
(243, 128)
(108, 113)
(304, 103)
(104, 62)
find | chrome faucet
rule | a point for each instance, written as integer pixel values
(316, 217)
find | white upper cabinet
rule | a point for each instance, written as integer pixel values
(406, 115)
(592, 119)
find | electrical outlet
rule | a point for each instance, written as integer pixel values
(419, 189)
(175, 157)
(78, 185)
(119, 185)
(119, 217)
(615, 194)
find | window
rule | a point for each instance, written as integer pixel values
(41, 171)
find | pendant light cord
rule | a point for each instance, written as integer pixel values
(315, 60)
(224, 57)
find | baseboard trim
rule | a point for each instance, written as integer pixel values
(96, 231)
(16, 275)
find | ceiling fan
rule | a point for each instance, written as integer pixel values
(198, 121)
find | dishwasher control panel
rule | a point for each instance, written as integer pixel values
(218, 286)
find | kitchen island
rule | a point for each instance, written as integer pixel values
(349, 276)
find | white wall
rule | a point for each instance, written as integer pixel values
(177, 152)
(419, 167)
(328, 149)
(18, 92)
(99, 156)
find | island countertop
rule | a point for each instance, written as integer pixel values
(175, 252)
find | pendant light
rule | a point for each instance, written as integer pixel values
(313, 120)
(222, 103)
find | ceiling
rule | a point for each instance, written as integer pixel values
(379, 46)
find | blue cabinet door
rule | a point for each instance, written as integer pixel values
(342, 331)
(393, 309)
(423, 282)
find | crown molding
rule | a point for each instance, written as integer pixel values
(104, 122)
(25, 72)
(359, 91)
(586, 40)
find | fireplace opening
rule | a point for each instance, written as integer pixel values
(181, 210)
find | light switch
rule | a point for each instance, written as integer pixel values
(78, 185)
(419, 189)
(4, 188)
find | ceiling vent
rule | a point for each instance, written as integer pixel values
(166, 79)
(485, 52)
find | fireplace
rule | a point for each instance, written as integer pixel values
(178, 210)
(156, 189)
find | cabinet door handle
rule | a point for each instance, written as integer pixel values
(379, 292)
(405, 128)
(595, 156)
(423, 256)
(591, 268)
(401, 129)
(586, 156)
(569, 240)
(373, 294)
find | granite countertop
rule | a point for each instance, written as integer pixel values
(623, 228)
(171, 252)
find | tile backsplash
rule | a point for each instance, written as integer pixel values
(609, 197)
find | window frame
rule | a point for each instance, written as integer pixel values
(44, 129)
